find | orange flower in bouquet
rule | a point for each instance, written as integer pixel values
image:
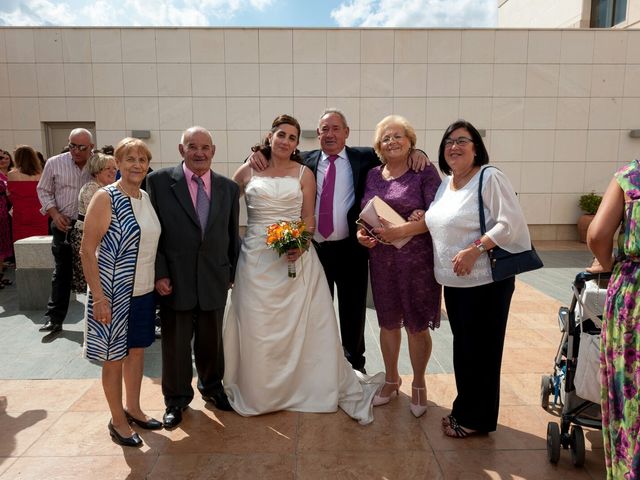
(288, 235)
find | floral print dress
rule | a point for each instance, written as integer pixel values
(620, 348)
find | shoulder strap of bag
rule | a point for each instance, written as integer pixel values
(483, 227)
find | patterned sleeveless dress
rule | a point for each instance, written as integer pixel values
(620, 348)
(117, 257)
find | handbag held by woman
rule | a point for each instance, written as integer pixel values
(505, 264)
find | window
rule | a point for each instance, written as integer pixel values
(607, 13)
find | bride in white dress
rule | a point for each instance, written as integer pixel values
(281, 342)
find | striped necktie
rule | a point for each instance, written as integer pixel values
(202, 203)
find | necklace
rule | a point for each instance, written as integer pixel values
(460, 182)
(137, 197)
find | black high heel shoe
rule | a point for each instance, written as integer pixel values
(132, 441)
(152, 424)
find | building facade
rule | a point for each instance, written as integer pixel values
(557, 106)
(569, 14)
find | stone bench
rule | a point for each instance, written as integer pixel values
(34, 266)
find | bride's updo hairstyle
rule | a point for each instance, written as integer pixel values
(265, 146)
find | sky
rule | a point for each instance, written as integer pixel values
(250, 13)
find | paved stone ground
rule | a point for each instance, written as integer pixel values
(27, 354)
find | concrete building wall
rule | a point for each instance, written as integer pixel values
(557, 105)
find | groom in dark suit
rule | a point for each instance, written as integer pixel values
(344, 260)
(195, 266)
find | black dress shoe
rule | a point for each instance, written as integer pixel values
(219, 399)
(172, 416)
(132, 441)
(152, 424)
(50, 326)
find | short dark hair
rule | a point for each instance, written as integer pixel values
(482, 156)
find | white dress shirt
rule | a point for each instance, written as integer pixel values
(343, 195)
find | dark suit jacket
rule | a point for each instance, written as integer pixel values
(200, 269)
(362, 159)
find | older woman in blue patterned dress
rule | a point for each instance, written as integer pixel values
(121, 225)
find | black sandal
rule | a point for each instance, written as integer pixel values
(5, 282)
(446, 421)
(455, 430)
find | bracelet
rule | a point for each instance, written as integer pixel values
(100, 300)
(480, 246)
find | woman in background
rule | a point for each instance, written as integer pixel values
(27, 219)
(404, 289)
(620, 344)
(6, 245)
(103, 172)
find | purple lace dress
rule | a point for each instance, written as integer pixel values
(405, 292)
(6, 244)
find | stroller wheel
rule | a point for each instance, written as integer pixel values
(553, 442)
(545, 391)
(576, 442)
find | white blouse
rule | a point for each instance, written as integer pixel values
(149, 236)
(453, 220)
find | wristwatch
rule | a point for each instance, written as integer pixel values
(480, 246)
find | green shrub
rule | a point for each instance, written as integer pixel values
(589, 203)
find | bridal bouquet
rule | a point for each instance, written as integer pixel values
(287, 235)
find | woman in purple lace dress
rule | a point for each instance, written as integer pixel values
(404, 289)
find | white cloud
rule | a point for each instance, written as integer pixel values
(416, 13)
(124, 12)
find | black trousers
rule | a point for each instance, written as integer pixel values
(478, 319)
(345, 264)
(178, 329)
(58, 304)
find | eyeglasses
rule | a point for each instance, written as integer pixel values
(392, 138)
(81, 148)
(460, 141)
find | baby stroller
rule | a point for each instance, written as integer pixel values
(575, 381)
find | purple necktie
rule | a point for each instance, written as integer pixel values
(325, 212)
(202, 203)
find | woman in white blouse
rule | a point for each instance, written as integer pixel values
(477, 306)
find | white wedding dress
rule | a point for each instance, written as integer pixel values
(281, 342)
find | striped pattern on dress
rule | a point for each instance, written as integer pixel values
(117, 258)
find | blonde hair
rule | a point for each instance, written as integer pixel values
(385, 123)
(97, 162)
(127, 144)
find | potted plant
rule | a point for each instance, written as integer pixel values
(589, 204)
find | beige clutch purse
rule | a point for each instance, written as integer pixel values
(376, 207)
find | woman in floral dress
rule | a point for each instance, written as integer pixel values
(620, 348)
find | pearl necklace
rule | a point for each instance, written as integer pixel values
(137, 197)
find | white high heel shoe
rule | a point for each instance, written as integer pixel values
(418, 410)
(380, 400)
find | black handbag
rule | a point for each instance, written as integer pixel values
(504, 264)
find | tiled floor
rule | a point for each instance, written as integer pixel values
(56, 427)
